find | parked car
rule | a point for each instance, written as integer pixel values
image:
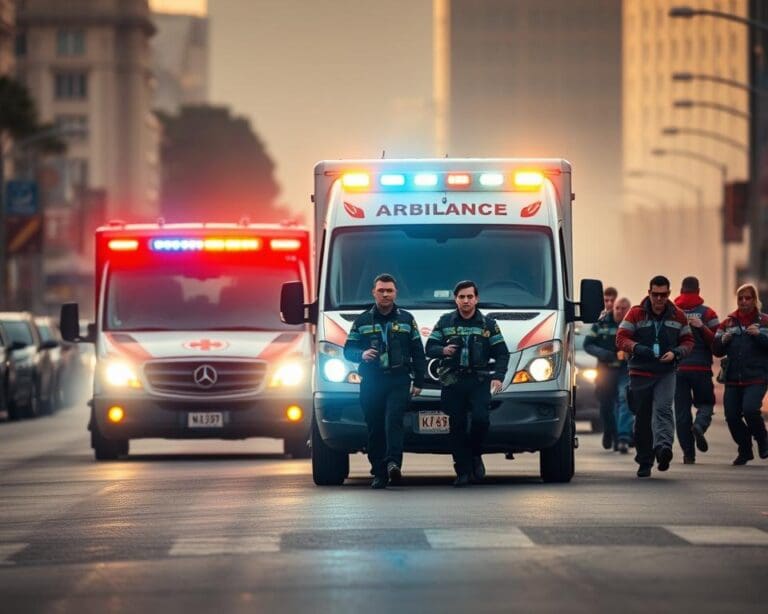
(65, 359)
(20, 384)
(587, 407)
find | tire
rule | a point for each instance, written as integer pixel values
(107, 449)
(557, 464)
(597, 425)
(297, 447)
(329, 467)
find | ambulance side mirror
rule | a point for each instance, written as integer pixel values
(69, 324)
(292, 307)
(591, 305)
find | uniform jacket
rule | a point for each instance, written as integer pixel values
(481, 341)
(600, 341)
(641, 329)
(396, 337)
(700, 358)
(747, 355)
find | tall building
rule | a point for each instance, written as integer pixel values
(674, 197)
(7, 36)
(180, 60)
(87, 64)
(534, 78)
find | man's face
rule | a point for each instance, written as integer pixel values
(384, 293)
(466, 301)
(659, 296)
(620, 309)
(608, 301)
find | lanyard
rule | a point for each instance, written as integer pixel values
(384, 335)
(657, 326)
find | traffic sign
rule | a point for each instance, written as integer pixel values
(21, 198)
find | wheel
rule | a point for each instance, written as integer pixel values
(329, 467)
(107, 449)
(597, 425)
(297, 447)
(557, 464)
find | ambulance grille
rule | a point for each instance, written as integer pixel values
(208, 378)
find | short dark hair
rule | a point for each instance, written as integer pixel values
(690, 284)
(611, 291)
(465, 284)
(385, 277)
(660, 280)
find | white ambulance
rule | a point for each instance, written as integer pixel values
(503, 223)
(189, 340)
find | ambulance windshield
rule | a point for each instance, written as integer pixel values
(175, 297)
(513, 267)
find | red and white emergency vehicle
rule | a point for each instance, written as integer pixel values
(503, 223)
(189, 339)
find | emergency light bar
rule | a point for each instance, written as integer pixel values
(527, 180)
(205, 244)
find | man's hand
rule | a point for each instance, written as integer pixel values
(370, 355)
(695, 321)
(415, 391)
(667, 357)
(450, 350)
(495, 386)
(753, 329)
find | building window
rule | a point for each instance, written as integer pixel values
(21, 44)
(76, 126)
(77, 172)
(70, 85)
(70, 42)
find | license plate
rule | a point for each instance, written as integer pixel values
(205, 419)
(433, 422)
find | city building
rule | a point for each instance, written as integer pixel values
(7, 36)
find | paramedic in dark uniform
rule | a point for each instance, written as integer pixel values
(385, 341)
(465, 341)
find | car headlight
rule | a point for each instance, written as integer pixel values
(121, 374)
(334, 367)
(287, 374)
(540, 363)
(589, 374)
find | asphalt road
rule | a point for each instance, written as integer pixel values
(201, 526)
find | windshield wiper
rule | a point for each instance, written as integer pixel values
(236, 328)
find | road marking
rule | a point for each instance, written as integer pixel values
(8, 550)
(509, 537)
(208, 546)
(720, 536)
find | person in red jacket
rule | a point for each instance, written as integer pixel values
(693, 384)
(656, 334)
(743, 339)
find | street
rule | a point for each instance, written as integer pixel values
(234, 526)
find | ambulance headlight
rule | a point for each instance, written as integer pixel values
(539, 363)
(335, 370)
(120, 374)
(541, 369)
(287, 374)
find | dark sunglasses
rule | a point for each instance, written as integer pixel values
(659, 294)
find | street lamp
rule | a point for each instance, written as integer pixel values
(687, 12)
(689, 76)
(723, 168)
(674, 131)
(686, 103)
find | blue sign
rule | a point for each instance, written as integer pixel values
(21, 198)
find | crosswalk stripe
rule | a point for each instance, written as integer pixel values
(209, 546)
(8, 550)
(508, 537)
(720, 536)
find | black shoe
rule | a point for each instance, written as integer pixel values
(461, 480)
(478, 468)
(698, 435)
(743, 458)
(762, 448)
(663, 458)
(607, 440)
(644, 471)
(689, 460)
(393, 470)
(623, 447)
(379, 482)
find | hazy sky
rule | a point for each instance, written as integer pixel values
(325, 79)
(179, 6)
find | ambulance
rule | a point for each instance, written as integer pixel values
(505, 224)
(189, 339)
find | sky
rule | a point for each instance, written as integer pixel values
(195, 7)
(325, 79)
